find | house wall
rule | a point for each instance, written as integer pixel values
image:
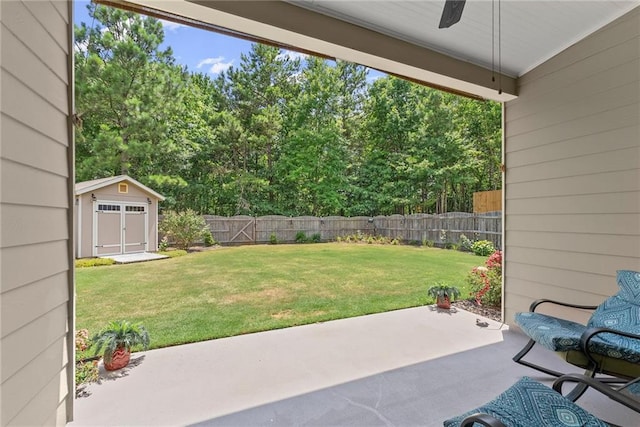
(573, 172)
(36, 245)
(110, 193)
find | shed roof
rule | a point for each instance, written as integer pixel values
(88, 186)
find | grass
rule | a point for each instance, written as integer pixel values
(232, 291)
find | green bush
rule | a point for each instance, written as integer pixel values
(164, 244)
(483, 248)
(208, 238)
(301, 237)
(183, 228)
(485, 283)
(368, 239)
(93, 262)
(478, 279)
(273, 239)
(466, 244)
(315, 238)
(428, 243)
(86, 371)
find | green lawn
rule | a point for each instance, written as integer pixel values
(237, 290)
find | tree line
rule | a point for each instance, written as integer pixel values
(276, 134)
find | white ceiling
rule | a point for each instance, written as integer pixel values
(531, 31)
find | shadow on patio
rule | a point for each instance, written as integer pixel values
(403, 368)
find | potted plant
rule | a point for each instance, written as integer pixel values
(116, 340)
(443, 294)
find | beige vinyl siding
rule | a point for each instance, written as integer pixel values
(572, 184)
(36, 174)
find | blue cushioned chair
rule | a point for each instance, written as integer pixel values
(531, 404)
(608, 344)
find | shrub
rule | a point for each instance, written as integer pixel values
(273, 239)
(316, 238)
(466, 244)
(301, 237)
(368, 239)
(485, 282)
(184, 228)
(86, 371)
(483, 248)
(164, 244)
(82, 340)
(94, 262)
(207, 238)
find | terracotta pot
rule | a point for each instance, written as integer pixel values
(119, 359)
(443, 302)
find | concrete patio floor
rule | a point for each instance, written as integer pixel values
(408, 367)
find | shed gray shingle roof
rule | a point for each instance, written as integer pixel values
(88, 186)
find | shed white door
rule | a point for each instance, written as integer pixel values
(119, 228)
(135, 229)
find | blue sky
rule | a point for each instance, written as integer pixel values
(200, 50)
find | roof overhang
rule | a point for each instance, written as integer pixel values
(482, 56)
(90, 186)
(297, 28)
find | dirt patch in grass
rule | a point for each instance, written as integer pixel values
(286, 314)
(270, 294)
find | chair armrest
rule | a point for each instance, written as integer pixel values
(484, 419)
(537, 302)
(599, 386)
(591, 333)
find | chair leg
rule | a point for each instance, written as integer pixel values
(518, 359)
(580, 388)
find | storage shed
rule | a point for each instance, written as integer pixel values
(116, 215)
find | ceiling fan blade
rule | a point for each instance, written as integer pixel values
(451, 13)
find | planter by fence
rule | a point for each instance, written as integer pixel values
(439, 229)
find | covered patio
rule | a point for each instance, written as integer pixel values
(416, 366)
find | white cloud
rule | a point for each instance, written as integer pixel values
(171, 26)
(217, 64)
(291, 55)
(81, 46)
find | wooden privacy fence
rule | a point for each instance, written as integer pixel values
(439, 229)
(487, 201)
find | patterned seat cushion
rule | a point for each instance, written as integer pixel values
(620, 312)
(530, 404)
(551, 332)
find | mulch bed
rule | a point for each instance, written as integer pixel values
(492, 313)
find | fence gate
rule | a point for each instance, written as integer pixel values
(242, 230)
